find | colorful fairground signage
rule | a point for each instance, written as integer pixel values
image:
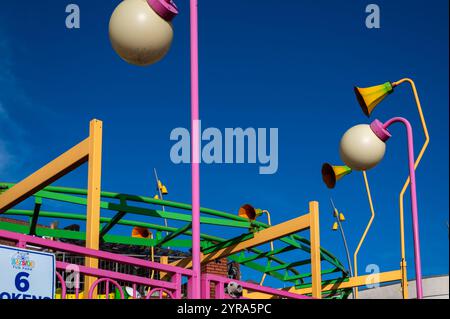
(26, 274)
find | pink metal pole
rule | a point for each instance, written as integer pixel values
(381, 131)
(195, 161)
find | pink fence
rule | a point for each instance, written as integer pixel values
(170, 289)
(156, 288)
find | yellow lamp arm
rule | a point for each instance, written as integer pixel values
(355, 256)
(405, 186)
(271, 245)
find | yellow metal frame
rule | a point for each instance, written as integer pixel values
(93, 198)
(269, 222)
(89, 150)
(355, 282)
(369, 224)
(308, 221)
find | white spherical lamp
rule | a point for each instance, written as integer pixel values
(361, 149)
(140, 31)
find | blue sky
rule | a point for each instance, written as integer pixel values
(263, 66)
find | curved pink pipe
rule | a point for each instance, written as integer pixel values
(108, 280)
(381, 131)
(161, 291)
(63, 285)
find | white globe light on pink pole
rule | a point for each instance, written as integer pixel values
(363, 147)
(141, 33)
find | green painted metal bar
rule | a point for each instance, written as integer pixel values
(324, 282)
(228, 243)
(266, 254)
(67, 234)
(288, 265)
(119, 215)
(35, 217)
(307, 275)
(259, 268)
(154, 213)
(142, 211)
(174, 234)
(66, 190)
(106, 228)
(141, 224)
(173, 243)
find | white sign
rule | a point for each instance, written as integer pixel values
(26, 274)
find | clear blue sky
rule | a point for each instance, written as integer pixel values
(289, 66)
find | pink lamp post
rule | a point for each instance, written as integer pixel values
(363, 147)
(141, 33)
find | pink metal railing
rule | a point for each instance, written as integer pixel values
(107, 280)
(171, 288)
(221, 282)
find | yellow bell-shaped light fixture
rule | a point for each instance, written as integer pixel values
(156, 197)
(331, 174)
(370, 97)
(341, 217)
(335, 226)
(162, 188)
(249, 212)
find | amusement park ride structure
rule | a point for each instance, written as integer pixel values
(316, 273)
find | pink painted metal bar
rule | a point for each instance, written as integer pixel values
(63, 285)
(177, 281)
(161, 292)
(205, 284)
(219, 291)
(21, 238)
(381, 131)
(195, 160)
(107, 280)
(207, 279)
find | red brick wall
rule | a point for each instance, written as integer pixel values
(216, 267)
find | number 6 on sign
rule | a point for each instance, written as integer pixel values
(22, 283)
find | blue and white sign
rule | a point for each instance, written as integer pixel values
(26, 274)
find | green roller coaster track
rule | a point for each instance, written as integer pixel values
(125, 204)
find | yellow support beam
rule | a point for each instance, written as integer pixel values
(315, 250)
(46, 175)
(93, 198)
(355, 282)
(165, 261)
(266, 235)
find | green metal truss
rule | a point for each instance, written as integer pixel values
(125, 205)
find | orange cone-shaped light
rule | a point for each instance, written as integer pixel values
(370, 97)
(140, 232)
(248, 211)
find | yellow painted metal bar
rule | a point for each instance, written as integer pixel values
(46, 175)
(316, 275)
(372, 210)
(405, 186)
(93, 198)
(353, 282)
(163, 260)
(259, 238)
(269, 221)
